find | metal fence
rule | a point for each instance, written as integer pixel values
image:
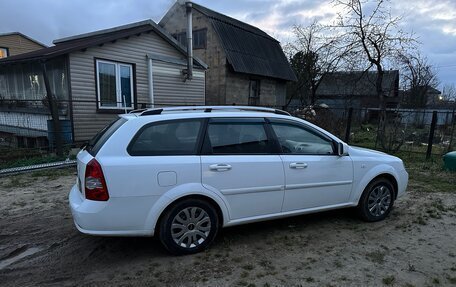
(29, 134)
(429, 132)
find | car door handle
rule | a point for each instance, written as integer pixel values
(298, 165)
(220, 167)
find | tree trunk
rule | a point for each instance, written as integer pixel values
(382, 108)
(53, 108)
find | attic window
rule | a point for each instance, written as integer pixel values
(3, 53)
(199, 38)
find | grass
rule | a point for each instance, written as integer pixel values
(376, 256)
(389, 280)
(428, 175)
(54, 173)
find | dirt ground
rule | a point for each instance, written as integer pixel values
(414, 246)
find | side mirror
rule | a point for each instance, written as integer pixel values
(342, 149)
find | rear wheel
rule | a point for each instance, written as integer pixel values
(189, 226)
(377, 200)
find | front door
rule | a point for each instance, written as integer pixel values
(237, 162)
(315, 176)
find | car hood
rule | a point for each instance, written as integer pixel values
(360, 151)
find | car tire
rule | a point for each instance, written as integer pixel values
(377, 200)
(188, 226)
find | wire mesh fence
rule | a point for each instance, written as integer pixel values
(29, 134)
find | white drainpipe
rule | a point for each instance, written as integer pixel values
(189, 41)
(151, 82)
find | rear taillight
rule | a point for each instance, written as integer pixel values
(95, 184)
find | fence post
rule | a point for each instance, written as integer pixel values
(453, 123)
(431, 134)
(349, 121)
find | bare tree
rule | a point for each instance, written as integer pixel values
(449, 93)
(374, 34)
(315, 52)
(418, 77)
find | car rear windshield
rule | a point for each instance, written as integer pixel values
(97, 142)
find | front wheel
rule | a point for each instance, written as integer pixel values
(188, 227)
(377, 200)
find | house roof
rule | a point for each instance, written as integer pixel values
(356, 83)
(84, 41)
(248, 49)
(24, 36)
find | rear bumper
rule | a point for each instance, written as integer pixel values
(124, 216)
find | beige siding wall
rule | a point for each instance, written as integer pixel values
(17, 44)
(86, 119)
(170, 89)
(214, 55)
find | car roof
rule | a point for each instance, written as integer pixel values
(203, 111)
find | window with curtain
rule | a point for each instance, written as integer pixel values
(3, 52)
(114, 85)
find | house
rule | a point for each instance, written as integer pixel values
(95, 76)
(422, 97)
(246, 65)
(358, 89)
(16, 43)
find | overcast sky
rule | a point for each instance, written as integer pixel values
(434, 22)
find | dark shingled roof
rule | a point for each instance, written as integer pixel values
(248, 49)
(80, 42)
(357, 83)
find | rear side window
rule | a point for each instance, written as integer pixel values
(97, 142)
(237, 137)
(167, 138)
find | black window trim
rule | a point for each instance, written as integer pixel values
(307, 128)
(199, 141)
(206, 149)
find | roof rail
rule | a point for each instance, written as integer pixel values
(208, 109)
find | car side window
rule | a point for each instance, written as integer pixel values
(167, 138)
(237, 137)
(295, 139)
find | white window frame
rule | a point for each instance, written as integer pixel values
(119, 97)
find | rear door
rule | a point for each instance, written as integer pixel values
(238, 160)
(315, 176)
(161, 156)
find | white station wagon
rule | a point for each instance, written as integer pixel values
(182, 173)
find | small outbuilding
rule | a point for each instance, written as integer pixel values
(246, 65)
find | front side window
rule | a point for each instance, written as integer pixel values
(167, 138)
(114, 85)
(295, 139)
(241, 137)
(3, 53)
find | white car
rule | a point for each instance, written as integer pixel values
(183, 173)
